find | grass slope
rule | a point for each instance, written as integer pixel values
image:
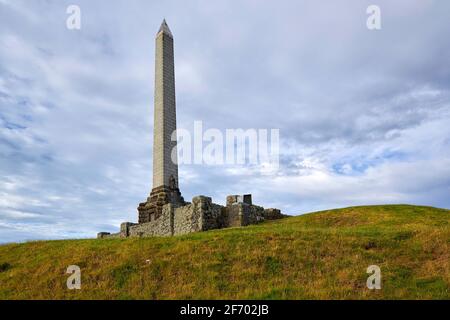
(322, 255)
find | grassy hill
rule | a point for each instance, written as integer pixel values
(321, 255)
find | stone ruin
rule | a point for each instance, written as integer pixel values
(165, 213)
(199, 215)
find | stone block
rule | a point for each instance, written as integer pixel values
(125, 229)
(102, 235)
(232, 199)
(272, 214)
(248, 198)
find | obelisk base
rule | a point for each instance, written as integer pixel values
(152, 208)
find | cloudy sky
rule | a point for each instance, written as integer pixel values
(364, 116)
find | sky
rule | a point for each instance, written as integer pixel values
(363, 115)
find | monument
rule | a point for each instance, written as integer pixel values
(165, 169)
(165, 213)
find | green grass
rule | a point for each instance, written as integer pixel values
(321, 255)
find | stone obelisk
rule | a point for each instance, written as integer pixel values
(165, 169)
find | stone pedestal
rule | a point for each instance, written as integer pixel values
(152, 208)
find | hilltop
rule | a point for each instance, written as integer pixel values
(322, 255)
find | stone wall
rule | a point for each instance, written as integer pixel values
(186, 219)
(232, 216)
(200, 215)
(212, 215)
(162, 226)
(104, 235)
(272, 214)
(252, 214)
(242, 214)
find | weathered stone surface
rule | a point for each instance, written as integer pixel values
(243, 214)
(165, 169)
(102, 235)
(232, 216)
(165, 163)
(272, 214)
(200, 215)
(160, 196)
(248, 198)
(125, 229)
(162, 226)
(232, 199)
